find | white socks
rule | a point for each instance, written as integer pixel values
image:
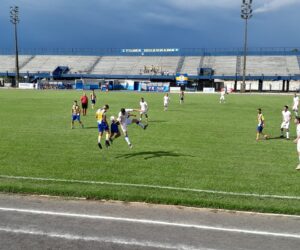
(127, 140)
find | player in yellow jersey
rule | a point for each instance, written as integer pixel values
(76, 114)
(93, 98)
(261, 125)
(103, 125)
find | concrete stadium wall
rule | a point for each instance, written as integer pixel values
(267, 85)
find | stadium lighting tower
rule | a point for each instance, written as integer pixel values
(14, 19)
(246, 13)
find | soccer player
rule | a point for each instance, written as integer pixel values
(84, 103)
(181, 97)
(114, 129)
(76, 114)
(295, 104)
(102, 125)
(144, 109)
(285, 125)
(297, 122)
(222, 97)
(166, 101)
(124, 120)
(261, 125)
(93, 98)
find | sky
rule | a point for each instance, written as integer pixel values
(149, 24)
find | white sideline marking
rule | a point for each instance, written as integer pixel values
(150, 222)
(154, 187)
(120, 241)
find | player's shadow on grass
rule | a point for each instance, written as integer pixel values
(91, 127)
(157, 121)
(280, 138)
(152, 154)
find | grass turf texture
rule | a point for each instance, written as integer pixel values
(201, 144)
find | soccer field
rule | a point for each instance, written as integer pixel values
(201, 153)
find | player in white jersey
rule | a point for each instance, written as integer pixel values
(144, 109)
(222, 97)
(285, 125)
(295, 104)
(166, 101)
(297, 122)
(124, 120)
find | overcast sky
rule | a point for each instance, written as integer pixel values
(150, 24)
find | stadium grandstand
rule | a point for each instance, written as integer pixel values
(268, 69)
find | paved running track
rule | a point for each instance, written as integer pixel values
(34, 222)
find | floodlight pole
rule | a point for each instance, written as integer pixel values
(14, 18)
(246, 13)
(243, 86)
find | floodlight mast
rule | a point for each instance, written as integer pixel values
(246, 13)
(14, 19)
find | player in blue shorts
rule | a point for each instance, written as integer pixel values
(114, 129)
(103, 126)
(76, 114)
(261, 125)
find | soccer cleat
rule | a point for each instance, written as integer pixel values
(99, 145)
(145, 126)
(130, 146)
(111, 141)
(282, 136)
(107, 143)
(298, 167)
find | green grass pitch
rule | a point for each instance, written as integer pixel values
(198, 145)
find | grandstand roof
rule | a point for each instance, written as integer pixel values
(259, 51)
